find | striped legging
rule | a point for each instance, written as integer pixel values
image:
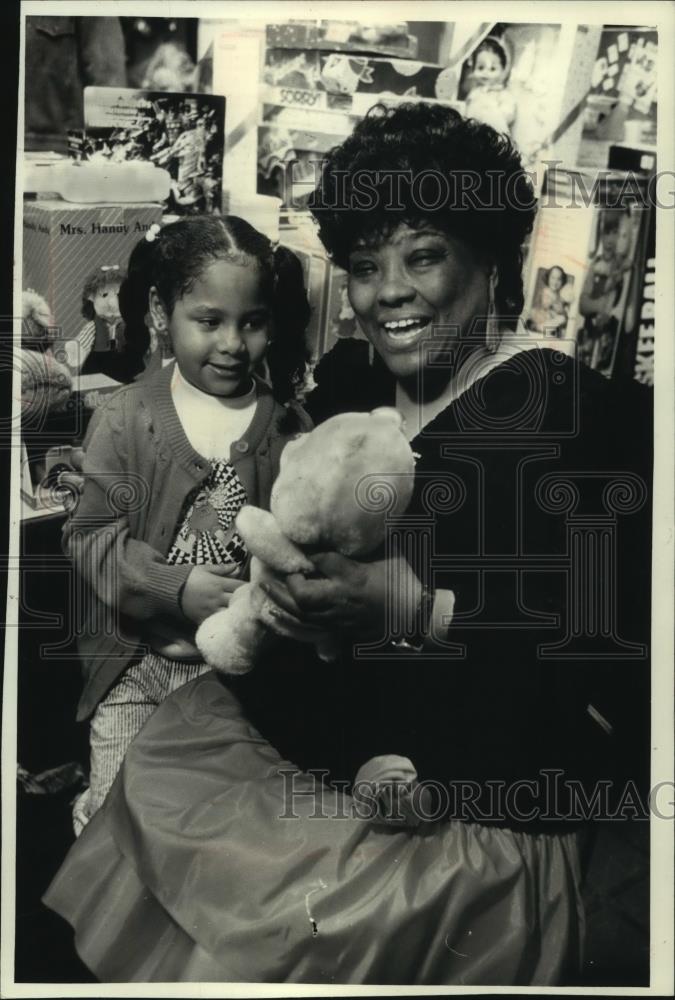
(121, 715)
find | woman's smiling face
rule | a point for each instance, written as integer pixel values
(417, 287)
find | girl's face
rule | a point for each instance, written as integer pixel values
(555, 279)
(419, 286)
(488, 67)
(220, 328)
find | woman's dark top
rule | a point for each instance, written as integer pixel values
(534, 484)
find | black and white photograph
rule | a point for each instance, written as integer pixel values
(339, 619)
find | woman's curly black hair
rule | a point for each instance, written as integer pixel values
(177, 256)
(420, 162)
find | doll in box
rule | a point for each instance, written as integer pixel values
(490, 100)
(100, 344)
(550, 309)
(610, 265)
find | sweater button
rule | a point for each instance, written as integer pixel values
(241, 447)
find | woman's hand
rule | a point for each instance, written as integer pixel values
(357, 597)
(207, 590)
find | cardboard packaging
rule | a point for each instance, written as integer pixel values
(237, 69)
(93, 390)
(340, 322)
(345, 36)
(540, 96)
(342, 73)
(584, 264)
(284, 170)
(622, 103)
(315, 270)
(63, 243)
(181, 133)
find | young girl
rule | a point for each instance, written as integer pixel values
(170, 461)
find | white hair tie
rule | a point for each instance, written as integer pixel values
(153, 232)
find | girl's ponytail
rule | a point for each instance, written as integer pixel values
(134, 296)
(287, 354)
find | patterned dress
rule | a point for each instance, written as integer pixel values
(207, 534)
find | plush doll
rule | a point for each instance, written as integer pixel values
(490, 101)
(336, 487)
(46, 384)
(101, 340)
(319, 503)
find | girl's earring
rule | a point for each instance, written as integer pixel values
(492, 333)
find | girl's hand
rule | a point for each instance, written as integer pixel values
(351, 596)
(207, 590)
(72, 482)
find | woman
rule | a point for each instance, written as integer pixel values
(215, 857)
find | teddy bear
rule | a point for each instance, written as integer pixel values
(320, 502)
(336, 488)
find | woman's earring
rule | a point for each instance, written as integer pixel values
(492, 333)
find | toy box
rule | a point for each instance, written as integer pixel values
(583, 264)
(347, 36)
(63, 243)
(284, 170)
(327, 122)
(315, 269)
(540, 77)
(343, 73)
(340, 322)
(622, 102)
(182, 133)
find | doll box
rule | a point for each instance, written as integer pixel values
(343, 36)
(63, 243)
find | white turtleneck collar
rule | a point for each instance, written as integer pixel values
(211, 423)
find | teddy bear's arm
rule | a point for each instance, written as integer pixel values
(264, 539)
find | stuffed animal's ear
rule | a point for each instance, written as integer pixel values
(389, 413)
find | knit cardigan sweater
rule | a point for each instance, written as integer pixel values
(139, 469)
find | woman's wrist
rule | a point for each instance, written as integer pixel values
(419, 621)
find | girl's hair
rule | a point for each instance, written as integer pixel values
(176, 257)
(486, 198)
(556, 267)
(102, 277)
